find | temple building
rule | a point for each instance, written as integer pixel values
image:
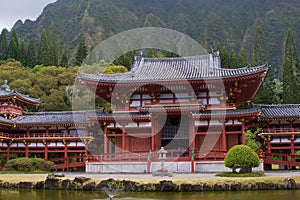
(186, 105)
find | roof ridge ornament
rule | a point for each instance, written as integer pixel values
(5, 86)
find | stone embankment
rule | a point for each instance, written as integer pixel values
(53, 182)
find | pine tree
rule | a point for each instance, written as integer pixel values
(81, 51)
(260, 53)
(43, 52)
(225, 61)
(30, 55)
(290, 70)
(22, 55)
(290, 50)
(13, 47)
(233, 60)
(64, 60)
(53, 41)
(3, 45)
(266, 93)
(242, 61)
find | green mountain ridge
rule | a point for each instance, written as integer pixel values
(228, 22)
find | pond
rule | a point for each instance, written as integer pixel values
(10, 194)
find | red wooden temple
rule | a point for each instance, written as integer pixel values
(186, 105)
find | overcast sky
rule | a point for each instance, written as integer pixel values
(13, 10)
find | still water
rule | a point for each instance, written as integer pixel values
(80, 195)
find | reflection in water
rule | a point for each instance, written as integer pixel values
(96, 195)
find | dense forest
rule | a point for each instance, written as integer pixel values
(42, 58)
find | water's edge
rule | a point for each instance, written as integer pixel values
(110, 185)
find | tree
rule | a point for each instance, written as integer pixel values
(259, 53)
(242, 61)
(113, 69)
(251, 139)
(64, 60)
(265, 94)
(30, 55)
(53, 41)
(13, 46)
(225, 60)
(290, 71)
(241, 157)
(290, 50)
(3, 45)
(81, 52)
(43, 52)
(22, 54)
(233, 60)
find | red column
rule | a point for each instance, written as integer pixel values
(105, 140)
(8, 154)
(123, 139)
(243, 132)
(46, 152)
(67, 132)
(26, 151)
(47, 131)
(224, 137)
(28, 132)
(66, 157)
(153, 132)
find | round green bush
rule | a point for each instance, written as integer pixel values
(241, 156)
(28, 164)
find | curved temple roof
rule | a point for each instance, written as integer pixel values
(182, 68)
(5, 92)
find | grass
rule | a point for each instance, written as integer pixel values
(21, 172)
(231, 174)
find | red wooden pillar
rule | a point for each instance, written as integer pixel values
(293, 148)
(123, 139)
(46, 152)
(192, 142)
(8, 153)
(66, 157)
(224, 137)
(47, 131)
(67, 132)
(28, 132)
(105, 140)
(153, 132)
(26, 150)
(243, 132)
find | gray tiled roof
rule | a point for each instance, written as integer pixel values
(68, 117)
(183, 68)
(5, 94)
(226, 112)
(280, 111)
(117, 115)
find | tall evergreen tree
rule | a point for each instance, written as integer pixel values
(30, 55)
(64, 60)
(242, 61)
(43, 52)
(267, 94)
(260, 52)
(53, 41)
(81, 52)
(13, 47)
(233, 60)
(290, 71)
(290, 50)
(3, 45)
(225, 60)
(22, 55)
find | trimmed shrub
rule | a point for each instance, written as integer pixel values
(241, 157)
(29, 164)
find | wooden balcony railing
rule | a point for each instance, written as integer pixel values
(172, 155)
(281, 131)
